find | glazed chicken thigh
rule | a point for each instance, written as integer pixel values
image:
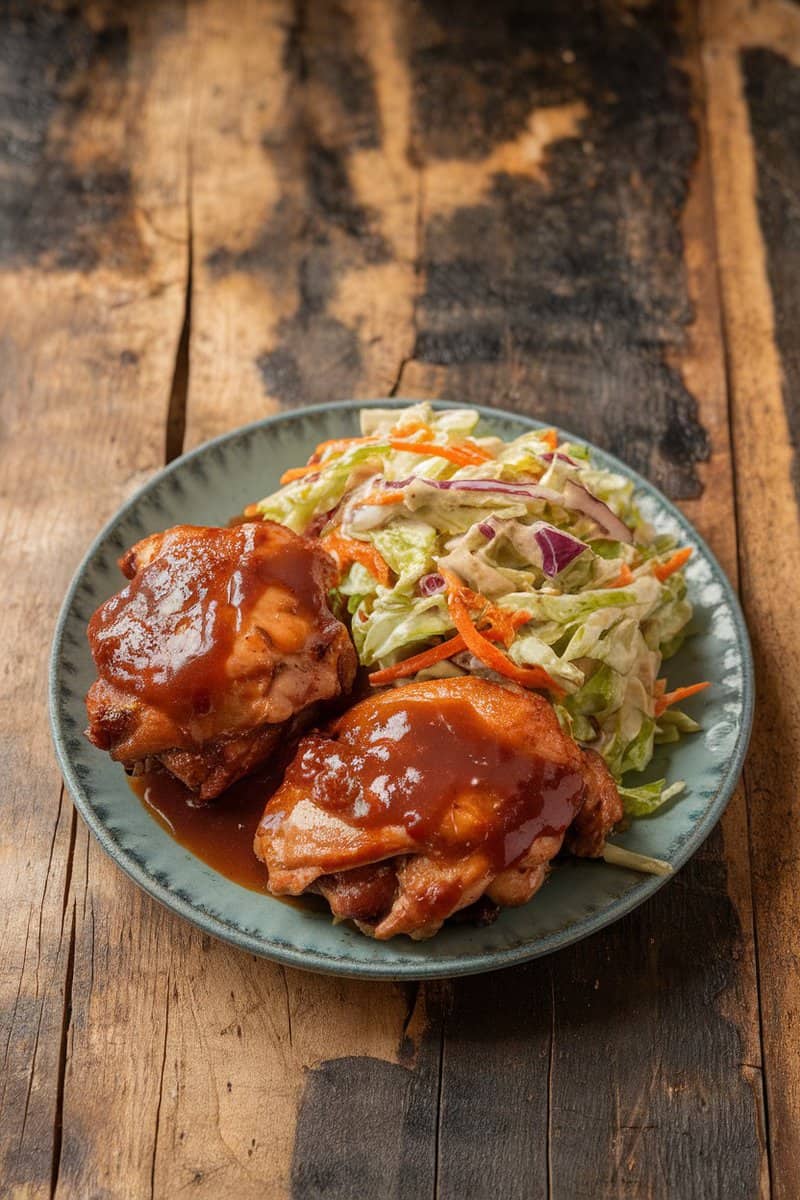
(422, 799)
(221, 644)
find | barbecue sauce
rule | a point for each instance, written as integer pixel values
(220, 833)
(440, 771)
(168, 636)
(458, 780)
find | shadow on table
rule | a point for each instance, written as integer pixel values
(618, 1054)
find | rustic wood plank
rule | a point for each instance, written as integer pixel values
(752, 62)
(548, 215)
(493, 1119)
(304, 209)
(255, 1055)
(91, 240)
(601, 320)
(369, 197)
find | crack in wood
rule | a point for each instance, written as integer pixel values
(550, 1058)
(442, 1013)
(419, 245)
(66, 1021)
(16, 1005)
(746, 783)
(73, 832)
(56, 824)
(179, 389)
(288, 1005)
(413, 994)
(160, 1091)
(31, 1075)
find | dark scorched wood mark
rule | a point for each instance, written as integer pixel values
(649, 1093)
(494, 1112)
(577, 278)
(773, 97)
(365, 1128)
(52, 213)
(317, 230)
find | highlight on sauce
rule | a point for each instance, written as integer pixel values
(220, 833)
(441, 772)
(169, 634)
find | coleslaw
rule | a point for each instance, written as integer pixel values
(520, 561)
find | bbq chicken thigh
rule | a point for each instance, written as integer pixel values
(422, 799)
(220, 646)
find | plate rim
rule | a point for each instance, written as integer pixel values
(316, 960)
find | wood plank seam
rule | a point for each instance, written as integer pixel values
(66, 1022)
(439, 1088)
(745, 780)
(751, 346)
(160, 1090)
(731, 449)
(419, 246)
(174, 437)
(288, 1006)
(550, 1063)
(175, 434)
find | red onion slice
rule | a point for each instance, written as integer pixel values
(578, 498)
(558, 549)
(430, 585)
(551, 454)
(575, 497)
(318, 523)
(527, 491)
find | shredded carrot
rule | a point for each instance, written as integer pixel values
(298, 473)
(338, 444)
(623, 579)
(664, 570)
(482, 648)
(659, 687)
(664, 701)
(551, 437)
(382, 498)
(468, 455)
(504, 623)
(418, 662)
(462, 456)
(349, 550)
(428, 658)
(502, 627)
(412, 427)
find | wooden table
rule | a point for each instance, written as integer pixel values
(589, 212)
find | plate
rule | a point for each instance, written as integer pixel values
(215, 481)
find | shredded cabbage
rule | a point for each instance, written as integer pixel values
(601, 617)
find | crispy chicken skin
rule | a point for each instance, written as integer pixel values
(422, 799)
(600, 812)
(221, 645)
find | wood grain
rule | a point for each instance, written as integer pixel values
(244, 1034)
(493, 171)
(304, 247)
(757, 244)
(216, 210)
(91, 291)
(654, 985)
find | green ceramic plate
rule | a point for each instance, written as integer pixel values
(217, 480)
